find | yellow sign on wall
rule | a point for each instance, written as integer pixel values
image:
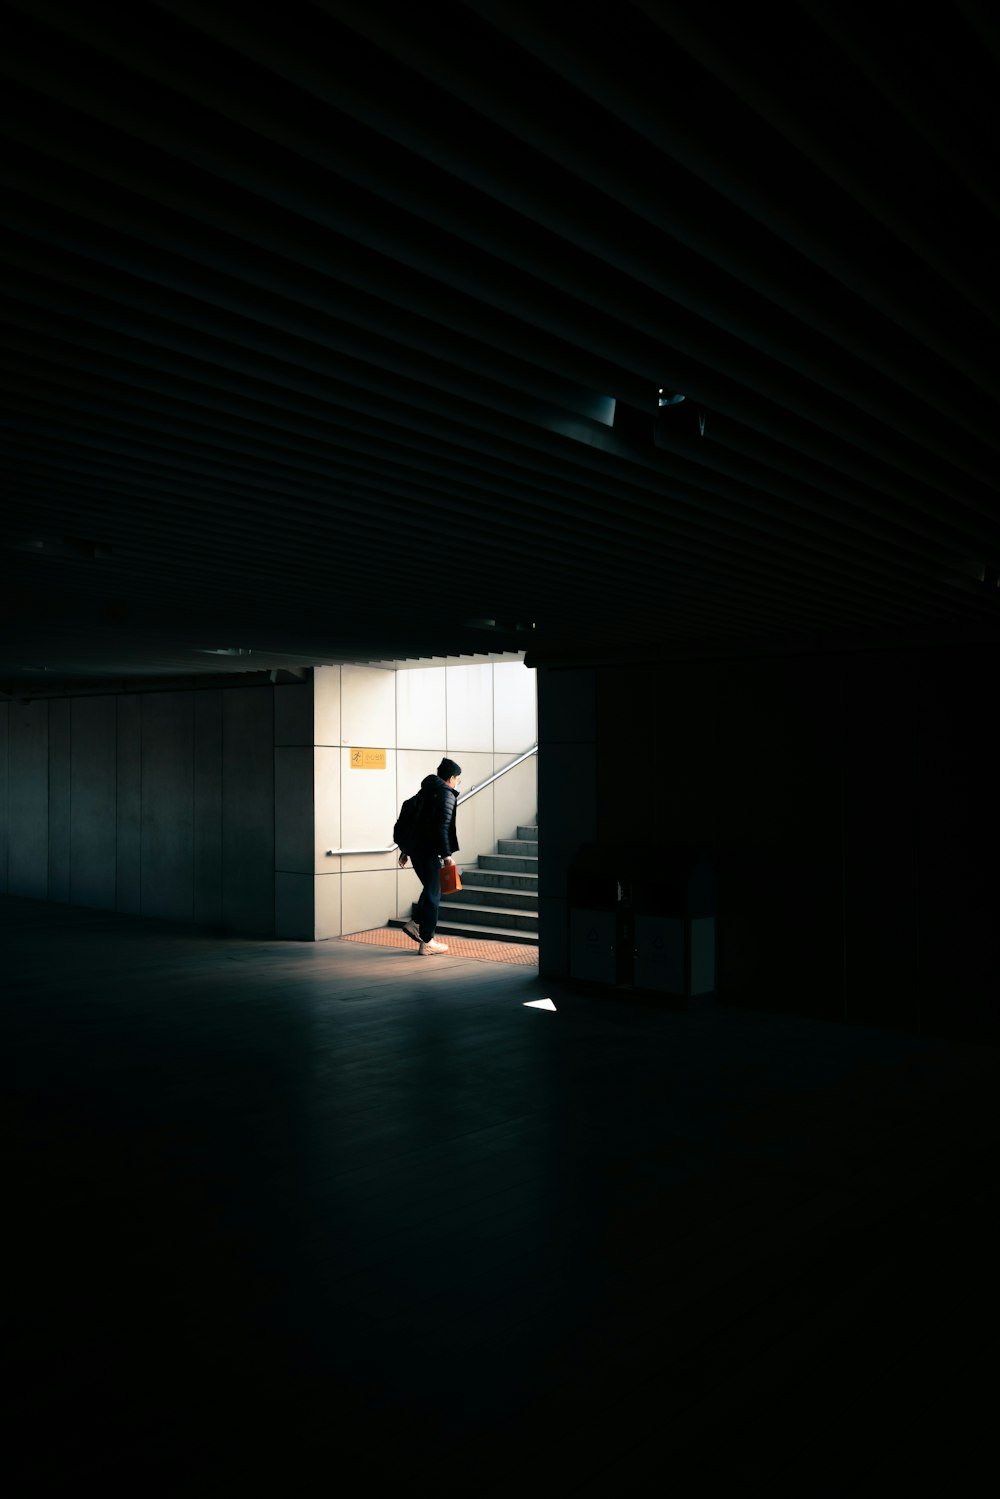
(368, 759)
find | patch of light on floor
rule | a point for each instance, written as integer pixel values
(539, 1004)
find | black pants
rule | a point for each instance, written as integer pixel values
(428, 871)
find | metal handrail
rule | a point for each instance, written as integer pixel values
(496, 775)
(475, 790)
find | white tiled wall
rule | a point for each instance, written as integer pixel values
(514, 709)
(411, 767)
(483, 716)
(469, 693)
(326, 700)
(367, 800)
(476, 831)
(368, 898)
(420, 708)
(329, 920)
(407, 891)
(515, 795)
(326, 799)
(367, 706)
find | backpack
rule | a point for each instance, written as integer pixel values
(407, 826)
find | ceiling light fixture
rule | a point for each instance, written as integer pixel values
(668, 429)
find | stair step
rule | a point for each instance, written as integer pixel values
(498, 881)
(501, 916)
(508, 864)
(487, 933)
(483, 933)
(498, 901)
(493, 915)
(525, 848)
(473, 893)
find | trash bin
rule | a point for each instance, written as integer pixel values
(644, 919)
(674, 900)
(598, 950)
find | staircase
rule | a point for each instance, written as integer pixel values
(498, 901)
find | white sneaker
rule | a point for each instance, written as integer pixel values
(412, 930)
(432, 947)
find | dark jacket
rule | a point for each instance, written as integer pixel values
(437, 831)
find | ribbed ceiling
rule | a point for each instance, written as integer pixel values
(312, 313)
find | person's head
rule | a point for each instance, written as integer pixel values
(449, 771)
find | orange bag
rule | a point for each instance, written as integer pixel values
(450, 879)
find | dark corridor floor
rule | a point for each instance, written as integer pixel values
(294, 1218)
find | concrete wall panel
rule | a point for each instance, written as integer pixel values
(248, 810)
(327, 898)
(470, 707)
(294, 907)
(326, 804)
(326, 705)
(476, 830)
(293, 713)
(567, 705)
(567, 801)
(553, 936)
(60, 780)
(420, 708)
(368, 803)
(566, 810)
(407, 891)
(411, 767)
(4, 801)
(629, 708)
(355, 863)
(515, 795)
(167, 845)
(128, 890)
(879, 861)
(515, 726)
(368, 899)
(93, 813)
(955, 832)
(293, 809)
(207, 816)
(28, 800)
(368, 707)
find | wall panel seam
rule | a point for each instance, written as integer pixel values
(915, 698)
(843, 832)
(69, 829)
(48, 796)
(274, 810)
(119, 731)
(222, 810)
(141, 790)
(340, 784)
(274, 823)
(6, 810)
